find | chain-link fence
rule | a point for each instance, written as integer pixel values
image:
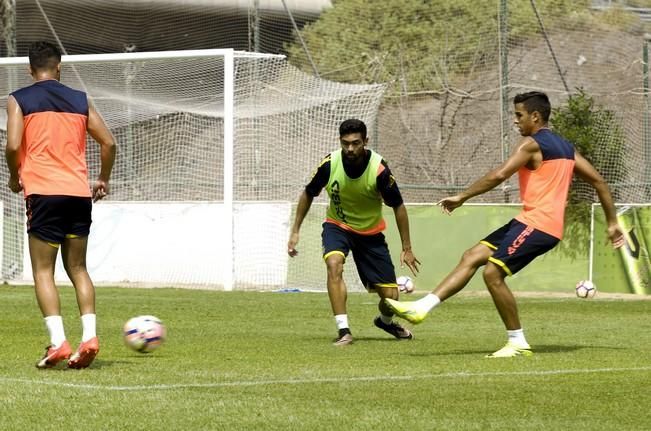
(451, 67)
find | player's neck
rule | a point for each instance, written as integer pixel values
(44, 78)
(356, 169)
(537, 129)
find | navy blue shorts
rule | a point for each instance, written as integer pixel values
(370, 252)
(54, 218)
(517, 244)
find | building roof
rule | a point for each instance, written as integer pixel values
(305, 6)
(99, 26)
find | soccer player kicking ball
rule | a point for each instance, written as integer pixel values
(545, 163)
(46, 155)
(357, 180)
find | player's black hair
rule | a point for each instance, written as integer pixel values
(44, 56)
(352, 125)
(535, 101)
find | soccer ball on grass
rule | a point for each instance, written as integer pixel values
(585, 289)
(144, 333)
(405, 284)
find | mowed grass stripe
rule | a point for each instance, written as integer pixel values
(265, 361)
(326, 380)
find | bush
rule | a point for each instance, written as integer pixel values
(598, 136)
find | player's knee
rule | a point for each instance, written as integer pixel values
(335, 264)
(493, 275)
(472, 258)
(335, 269)
(74, 268)
(387, 292)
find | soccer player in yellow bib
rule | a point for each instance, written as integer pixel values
(545, 163)
(358, 181)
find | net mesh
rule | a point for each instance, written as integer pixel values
(442, 121)
(440, 124)
(168, 118)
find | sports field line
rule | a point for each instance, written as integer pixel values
(461, 374)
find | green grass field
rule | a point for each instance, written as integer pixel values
(264, 361)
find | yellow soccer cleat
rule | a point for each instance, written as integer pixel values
(407, 310)
(511, 351)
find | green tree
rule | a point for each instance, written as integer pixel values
(401, 42)
(418, 45)
(598, 135)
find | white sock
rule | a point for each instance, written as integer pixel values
(428, 302)
(516, 336)
(342, 321)
(88, 326)
(386, 319)
(54, 326)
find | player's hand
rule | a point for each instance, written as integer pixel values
(291, 245)
(100, 189)
(451, 203)
(407, 258)
(14, 184)
(616, 235)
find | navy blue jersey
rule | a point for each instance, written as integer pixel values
(51, 96)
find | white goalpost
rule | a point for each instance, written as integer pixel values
(214, 147)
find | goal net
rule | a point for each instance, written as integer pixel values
(214, 147)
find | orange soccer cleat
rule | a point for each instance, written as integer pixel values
(54, 356)
(85, 354)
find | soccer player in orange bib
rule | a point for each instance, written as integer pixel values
(47, 124)
(545, 163)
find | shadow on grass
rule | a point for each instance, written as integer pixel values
(537, 349)
(556, 348)
(379, 338)
(104, 363)
(448, 353)
(131, 360)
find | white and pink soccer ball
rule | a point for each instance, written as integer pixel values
(144, 334)
(405, 284)
(585, 289)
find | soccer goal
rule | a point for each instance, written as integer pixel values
(214, 147)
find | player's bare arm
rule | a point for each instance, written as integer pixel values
(304, 204)
(406, 255)
(15, 125)
(100, 132)
(526, 154)
(584, 170)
